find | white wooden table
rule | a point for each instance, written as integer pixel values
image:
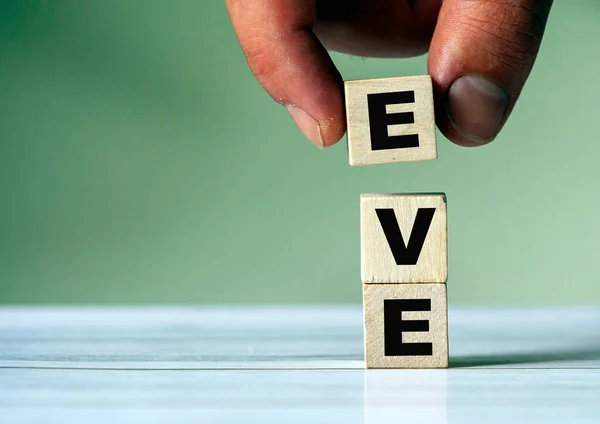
(289, 365)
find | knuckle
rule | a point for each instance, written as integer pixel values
(261, 60)
(512, 29)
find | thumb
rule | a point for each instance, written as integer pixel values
(481, 54)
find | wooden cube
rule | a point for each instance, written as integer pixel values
(403, 238)
(406, 325)
(390, 120)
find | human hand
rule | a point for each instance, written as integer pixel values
(480, 55)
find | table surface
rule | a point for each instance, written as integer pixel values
(288, 365)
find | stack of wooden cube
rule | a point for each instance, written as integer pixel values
(404, 249)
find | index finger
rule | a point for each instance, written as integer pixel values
(290, 63)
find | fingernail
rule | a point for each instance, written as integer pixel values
(476, 108)
(307, 124)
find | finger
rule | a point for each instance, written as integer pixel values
(481, 54)
(377, 28)
(291, 64)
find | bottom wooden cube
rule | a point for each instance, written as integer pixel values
(406, 325)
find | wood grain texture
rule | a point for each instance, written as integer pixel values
(360, 122)
(379, 264)
(376, 335)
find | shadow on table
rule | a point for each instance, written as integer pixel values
(580, 354)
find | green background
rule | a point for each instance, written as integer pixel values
(141, 163)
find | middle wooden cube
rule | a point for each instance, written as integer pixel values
(403, 238)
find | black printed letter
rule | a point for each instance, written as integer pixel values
(379, 120)
(394, 326)
(405, 254)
